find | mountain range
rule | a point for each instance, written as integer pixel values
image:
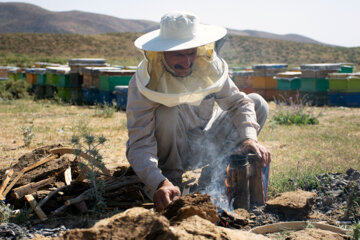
(28, 18)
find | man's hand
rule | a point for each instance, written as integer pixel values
(165, 194)
(251, 145)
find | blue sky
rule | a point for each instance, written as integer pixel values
(329, 21)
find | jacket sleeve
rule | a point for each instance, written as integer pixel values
(142, 147)
(240, 108)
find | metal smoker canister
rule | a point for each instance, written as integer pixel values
(239, 177)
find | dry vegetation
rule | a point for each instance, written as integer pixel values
(118, 48)
(297, 151)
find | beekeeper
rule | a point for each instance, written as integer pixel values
(183, 109)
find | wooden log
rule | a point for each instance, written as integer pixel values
(59, 210)
(67, 176)
(32, 187)
(5, 182)
(111, 187)
(44, 200)
(39, 212)
(21, 173)
(81, 154)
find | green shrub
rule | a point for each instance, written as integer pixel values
(12, 89)
(293, 112)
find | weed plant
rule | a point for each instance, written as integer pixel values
(90, 145)
(356, 232)
(28, 134)
(105, 111)
(5, 213)
(294, 112)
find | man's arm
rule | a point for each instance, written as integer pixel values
(142, 147)
(242, 112)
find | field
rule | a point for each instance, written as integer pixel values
(297, 151)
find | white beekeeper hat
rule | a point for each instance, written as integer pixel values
(179, 31)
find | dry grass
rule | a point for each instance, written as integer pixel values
(54, 123)
(300, 151)
(297, 151)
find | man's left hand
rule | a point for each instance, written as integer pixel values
(250, 145)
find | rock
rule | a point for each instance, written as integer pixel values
(316, 234)
(190, 205)
(293, 203)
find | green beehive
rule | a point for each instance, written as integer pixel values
(40, 76)
(63, 77)
(338, 81)
(314, 85)
(111, 78)
(288, 83)
(346, 69)
(63, 94)
(288, 80)
(354, 83)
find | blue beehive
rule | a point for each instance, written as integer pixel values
(90, 95)
(106, 97)
(121, 97)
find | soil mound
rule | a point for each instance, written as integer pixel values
(190, 205)
(139, 223)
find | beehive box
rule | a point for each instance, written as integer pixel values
(40, 76)
(243, 79)
(64, 94)
(77, 64)
(63, 78)
(90, 95)
(315, 98)
(268, 70)
(288, 81)
(319, 70)
(338, 81)
(354, 82)
(262, 82)
(30, 75)
(121, 97)
(111, 78)
(314, 84)
(3, 72)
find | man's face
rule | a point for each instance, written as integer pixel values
(181, 61)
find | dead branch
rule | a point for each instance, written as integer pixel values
(39, 212)
(32, 187)
(22, 172)
(6, 180)
(50, 195)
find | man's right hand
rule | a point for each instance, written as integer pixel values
(165, 194)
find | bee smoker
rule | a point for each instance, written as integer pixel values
(238, 179)
(246, 180)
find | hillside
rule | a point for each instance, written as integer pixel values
(28, 18)
(118, 48)
(261, 34)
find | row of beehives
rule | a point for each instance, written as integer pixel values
(82, 81)
(316, 84)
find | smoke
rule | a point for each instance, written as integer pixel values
(212, 151)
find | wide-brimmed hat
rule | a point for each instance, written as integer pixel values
(179, 31)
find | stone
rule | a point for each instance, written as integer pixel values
(298, 203)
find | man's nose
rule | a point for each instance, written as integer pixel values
(185, 61)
